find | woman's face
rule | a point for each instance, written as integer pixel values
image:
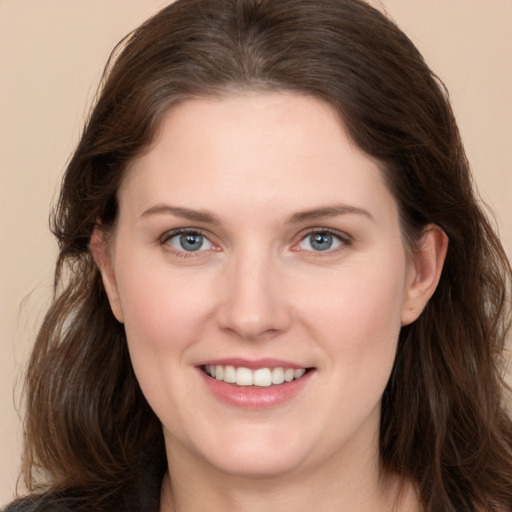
(257, 244)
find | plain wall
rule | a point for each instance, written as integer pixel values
(52, 53)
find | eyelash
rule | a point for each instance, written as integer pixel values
(164, 241)
(345, 240)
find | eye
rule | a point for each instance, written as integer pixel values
(188, 241)
(319, 241)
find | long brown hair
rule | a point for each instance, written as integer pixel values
(444, 425)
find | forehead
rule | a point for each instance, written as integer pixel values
(259, 148)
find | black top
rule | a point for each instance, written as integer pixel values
(141, 494)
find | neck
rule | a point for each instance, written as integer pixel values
(358, 485)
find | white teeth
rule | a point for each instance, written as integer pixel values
(277, 376)
(244, 377)
(262, 377)
(230, 374)
(297, 374)
(289, 374)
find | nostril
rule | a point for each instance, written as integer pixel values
(251, 324)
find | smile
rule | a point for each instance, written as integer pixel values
(259, 377)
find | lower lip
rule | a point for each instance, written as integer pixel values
(248, 397)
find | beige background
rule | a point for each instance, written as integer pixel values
(51, 56)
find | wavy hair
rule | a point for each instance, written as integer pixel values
(444, 425)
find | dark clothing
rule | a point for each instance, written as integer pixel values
(141, 494)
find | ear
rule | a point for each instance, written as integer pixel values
(424, 273)
(102, 254)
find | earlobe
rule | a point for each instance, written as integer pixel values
(102, 255)
(426, 267)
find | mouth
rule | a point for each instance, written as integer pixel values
(259, 377)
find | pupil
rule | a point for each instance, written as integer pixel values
(191, 242)
(321, 241)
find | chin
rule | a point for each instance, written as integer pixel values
(261, 452)
(259, 466)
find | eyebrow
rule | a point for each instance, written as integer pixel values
(328, 211)
(185, 213)
(296, 218)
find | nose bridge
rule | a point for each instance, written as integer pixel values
(253, 300)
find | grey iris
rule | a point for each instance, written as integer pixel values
(321, 241)
(191, 241)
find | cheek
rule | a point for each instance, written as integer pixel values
(162, 310)
(164, 317)
(358, 313)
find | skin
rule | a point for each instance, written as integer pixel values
(255, 162)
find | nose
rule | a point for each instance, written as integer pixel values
(253, 302)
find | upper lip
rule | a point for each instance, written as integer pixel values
(253, 364)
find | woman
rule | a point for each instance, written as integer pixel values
(275, 286)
